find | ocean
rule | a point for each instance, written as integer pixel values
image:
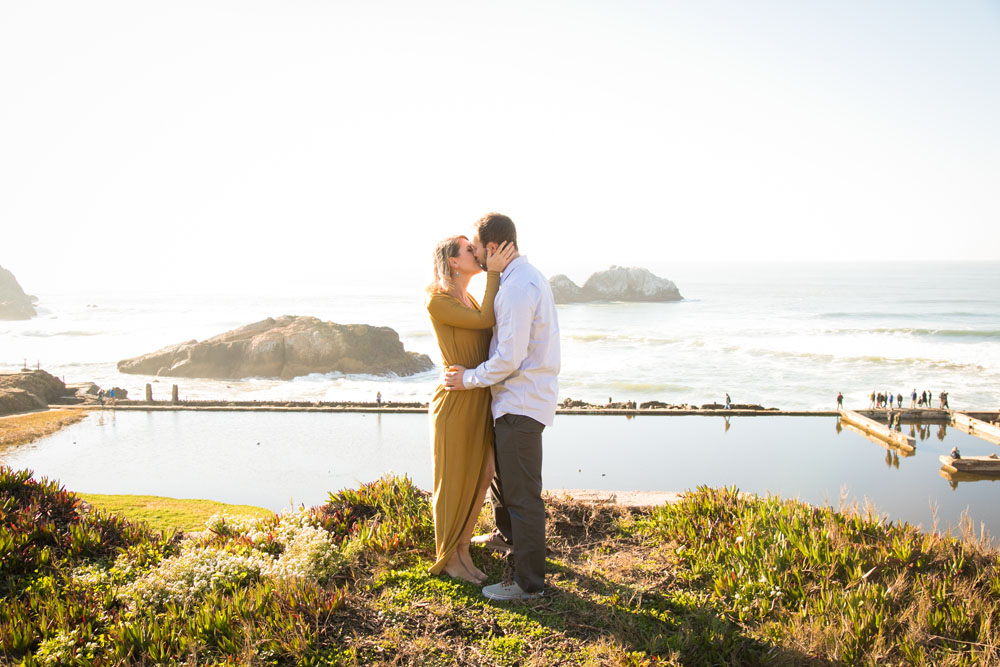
(787, 335)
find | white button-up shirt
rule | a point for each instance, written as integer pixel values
(523, 368)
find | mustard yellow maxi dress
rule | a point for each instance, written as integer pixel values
(461, 422)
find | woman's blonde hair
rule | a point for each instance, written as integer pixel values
(445, 250)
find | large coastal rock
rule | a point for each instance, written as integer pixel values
(616, 284)
(14, 303)
(285, 347)
(565, 290)
(28, 390)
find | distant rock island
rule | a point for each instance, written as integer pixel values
(14, 303)
(286, 347)
(616, 284)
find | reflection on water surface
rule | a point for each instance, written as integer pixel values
(275, 459)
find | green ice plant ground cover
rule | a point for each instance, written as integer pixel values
(718, 578)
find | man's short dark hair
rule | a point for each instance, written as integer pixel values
(496, 228)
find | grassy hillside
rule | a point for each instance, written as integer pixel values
(716, 579)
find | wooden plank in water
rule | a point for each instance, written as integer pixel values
(972, 426)
(880, 431)
(903, 450)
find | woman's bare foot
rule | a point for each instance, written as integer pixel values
(466, 559)
(456, 569)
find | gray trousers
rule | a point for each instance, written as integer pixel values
(516, 497)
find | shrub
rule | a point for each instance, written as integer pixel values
(41, 525)
(386, 515)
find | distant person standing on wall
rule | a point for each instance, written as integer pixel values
(729, 402)
(890, 401)
(840, 400)
(899, 401)
(378, 400)
(872, 403)
(913, 399)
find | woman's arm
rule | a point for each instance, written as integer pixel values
(448, 310)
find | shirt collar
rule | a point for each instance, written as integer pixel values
(517, 261)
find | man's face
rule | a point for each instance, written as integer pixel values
(480, 251)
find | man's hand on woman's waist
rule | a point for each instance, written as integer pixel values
(453, 378)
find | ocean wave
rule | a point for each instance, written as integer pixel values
(100, 365)
(52, 334)
(593, 337)
(647, 387)
(921, 331)
(942, 364)
(860, 315)
(945, 333)
(336, 376)
(921, 314)
(872, 359)
(618, 338)
(570, 383)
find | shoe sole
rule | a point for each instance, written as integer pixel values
(520, 598)
(494, 545)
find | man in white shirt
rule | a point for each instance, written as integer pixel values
(522, 374)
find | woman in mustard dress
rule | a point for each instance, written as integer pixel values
(461, 421)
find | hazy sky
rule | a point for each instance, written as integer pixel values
(257, 142)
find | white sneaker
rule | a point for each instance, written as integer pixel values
(511, 591)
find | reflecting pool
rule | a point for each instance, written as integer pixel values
(279, 459)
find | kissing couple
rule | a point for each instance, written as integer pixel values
(498, 394)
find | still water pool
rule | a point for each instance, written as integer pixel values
(277, 459)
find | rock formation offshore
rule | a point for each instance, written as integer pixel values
(616, 284)
(286, 347)
(14, 303)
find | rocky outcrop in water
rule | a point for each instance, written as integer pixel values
(28, 390)
(285, 347)
(565, 290)
(616, 284)
(14, 303)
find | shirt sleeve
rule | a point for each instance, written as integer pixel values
(450, 311)
(514, 312)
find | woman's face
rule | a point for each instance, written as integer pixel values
(465, 264)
